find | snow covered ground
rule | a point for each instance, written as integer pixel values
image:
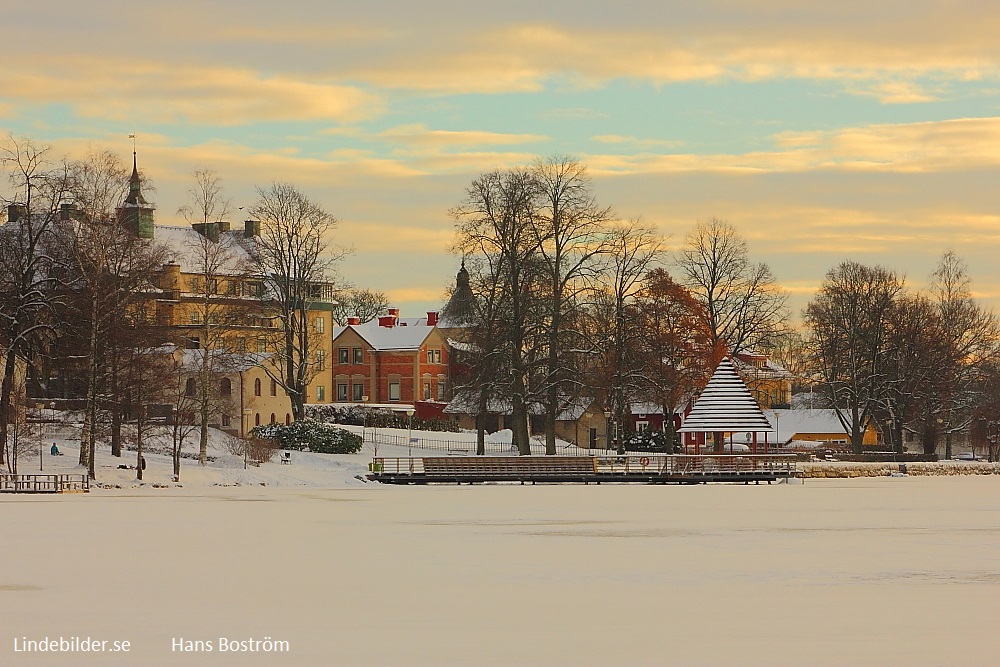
(868, 571)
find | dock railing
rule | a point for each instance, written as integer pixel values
(42, 483)
(609, 466)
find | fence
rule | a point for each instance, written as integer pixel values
(694, 466)
(41, 483)
(450, 446)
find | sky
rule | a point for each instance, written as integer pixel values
(821, 131)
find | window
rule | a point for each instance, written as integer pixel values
(240, 344)
(440, 394)
(194, 317)
(233, 288)
(192, 343)
(342, 355)
(394, 391)
(321, 360)
(342, 392)
(256, 419)
(226, 387)
(253, 289)
(190, 387)
(226, 420)
(213, 286)
(427, 391)
(358, 391)
(261, 345)
(194, 285)
(320, 325)
(358, 356)
(256, 387)
(274, 388)
(320, 393)
(434, 356)
(288, 419)
(273, 418)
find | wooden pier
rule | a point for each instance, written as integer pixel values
(42, 483)
(640, 469)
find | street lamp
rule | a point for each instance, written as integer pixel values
(40, 408)
(409, 432)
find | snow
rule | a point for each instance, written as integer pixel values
(869, 571)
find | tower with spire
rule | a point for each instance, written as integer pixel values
(136, 213)
(460, 311)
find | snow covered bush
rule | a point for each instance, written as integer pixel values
(650, 441)
(358, 415)
(310, 435)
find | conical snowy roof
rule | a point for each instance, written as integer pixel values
(725, 405)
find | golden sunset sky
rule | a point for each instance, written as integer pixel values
(822, 131)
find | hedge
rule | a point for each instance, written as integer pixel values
(310, 435)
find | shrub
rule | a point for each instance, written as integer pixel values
(358, 415)
(651, 441)
(257, 450)
(310, 435)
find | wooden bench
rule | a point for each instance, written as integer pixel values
(507, 467)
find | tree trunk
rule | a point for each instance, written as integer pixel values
(481, 422)
(116, 430)
(6, 389)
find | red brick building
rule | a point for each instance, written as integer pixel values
(391, 360)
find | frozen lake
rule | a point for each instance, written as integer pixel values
(877, 571)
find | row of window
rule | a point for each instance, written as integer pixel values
(355, 391)
(355, 355)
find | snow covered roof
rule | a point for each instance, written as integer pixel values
(725, 405)
(223, 361)
(466, 402)
(408, 336)
(788, 423)
(183, 244)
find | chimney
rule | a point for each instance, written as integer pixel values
(432, 318)
(387, 321)
(210, 230)
(251, 228)
(224, 226)
(170, 279)
(351, 321)
(394, 312)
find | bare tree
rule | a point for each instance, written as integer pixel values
(569, 227)
(849, 322)
(207, 202)
(494, 228)
(365, 304)
(743, 302)
(971, 336)
(634, 249)
(293, 256)
(214, 258)
(27, 291)
(111, 268)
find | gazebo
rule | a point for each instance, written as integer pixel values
(727, 406)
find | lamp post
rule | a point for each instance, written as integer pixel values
(409, 432)
(40, 408)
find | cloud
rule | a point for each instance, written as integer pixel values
(419, 136)
(958, 144)
(636, 142)
(125, 89)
